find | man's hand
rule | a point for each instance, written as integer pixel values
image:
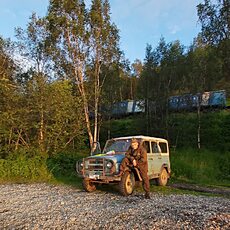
(134, 163)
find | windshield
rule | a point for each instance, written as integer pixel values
(118, 146)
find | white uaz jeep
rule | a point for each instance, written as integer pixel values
(103, 167)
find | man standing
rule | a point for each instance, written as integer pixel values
(137, 156)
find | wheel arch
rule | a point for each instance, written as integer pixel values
(167, 167)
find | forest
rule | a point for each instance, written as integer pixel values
(65, 67)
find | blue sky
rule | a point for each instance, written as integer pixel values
(139, 21)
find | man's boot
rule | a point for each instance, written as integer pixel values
(147, 195)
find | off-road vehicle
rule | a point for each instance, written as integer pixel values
(103, 167)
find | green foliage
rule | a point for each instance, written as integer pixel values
(63, 163)
(122, 127)
(24, 166)
(225, 132)
(215, 30)
(214, 19)
(34, 166)
(64, 119)
(45, 115)
(62, 166)
(205, 166)
(182, 129)
(214, 130)
(215, 126)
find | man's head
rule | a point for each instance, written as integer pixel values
(134, 143)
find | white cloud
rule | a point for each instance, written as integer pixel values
(174, 29)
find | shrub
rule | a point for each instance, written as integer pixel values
(24, 166)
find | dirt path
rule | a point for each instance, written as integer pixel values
(198, 188)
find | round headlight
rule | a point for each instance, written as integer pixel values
(109, 165)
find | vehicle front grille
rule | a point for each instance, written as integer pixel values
(96, 166)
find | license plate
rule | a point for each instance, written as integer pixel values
(94, 176)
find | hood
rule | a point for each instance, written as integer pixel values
(117, 158)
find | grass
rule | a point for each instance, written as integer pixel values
(206, 168)
(201, 167)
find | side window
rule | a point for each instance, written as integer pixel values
(146, 146)
(163, 147)
(155, 148)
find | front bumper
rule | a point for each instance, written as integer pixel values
(102, 179)
(95, 169)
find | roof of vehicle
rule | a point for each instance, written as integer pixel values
(142, 137)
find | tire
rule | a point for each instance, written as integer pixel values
(163, 178)
(127, 183)
(88, 186)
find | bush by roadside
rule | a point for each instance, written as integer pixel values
(24, 166)
(34, 166)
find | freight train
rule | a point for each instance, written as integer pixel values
(185, 102)
(205, 100)
(125, 108)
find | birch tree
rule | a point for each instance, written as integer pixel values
(104, 49)
(83, 39)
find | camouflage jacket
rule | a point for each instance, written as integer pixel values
(140, 155)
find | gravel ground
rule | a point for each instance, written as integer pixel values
(42, 206)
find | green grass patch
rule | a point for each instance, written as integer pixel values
(202, 167)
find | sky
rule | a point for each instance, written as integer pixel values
(140, 22)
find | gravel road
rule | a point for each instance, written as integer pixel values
(42, 206)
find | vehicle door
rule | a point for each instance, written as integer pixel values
(146, 145)
(164, 154)
(156, 158)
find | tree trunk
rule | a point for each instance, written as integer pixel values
(198, 128)
(41, 131)
(87, 120)
(96, 98)
(81, 88)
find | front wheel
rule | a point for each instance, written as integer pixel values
(88, 185)
(127, 183)
(163, 178)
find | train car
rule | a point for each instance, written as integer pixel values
(188, 102)
(173, 103)
(125, 108)
(209, 99)
(183, 102)
(215, 99)
(120, 109)
(138, 106)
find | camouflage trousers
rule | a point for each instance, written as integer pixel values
(143, 170)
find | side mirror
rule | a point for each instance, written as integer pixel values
(96, 149)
